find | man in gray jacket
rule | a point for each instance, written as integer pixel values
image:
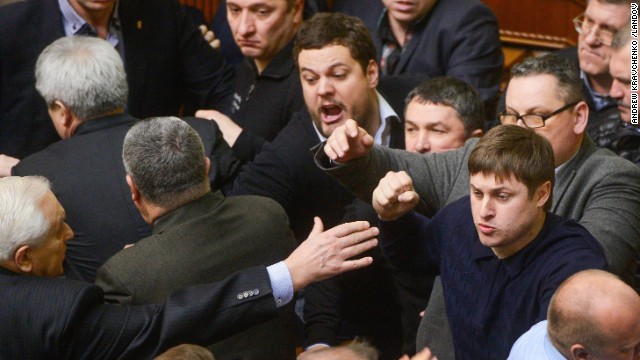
(593, 186)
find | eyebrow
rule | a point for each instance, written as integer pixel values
(330, 67)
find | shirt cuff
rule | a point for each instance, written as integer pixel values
(281, 283)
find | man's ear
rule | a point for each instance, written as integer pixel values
(476, 133)
(372, 74)
(578, 352)
(62, 119)
(22, 259)
(581, 112)
(542, 193)
(298, 8)
(135, 193)
(207, 165)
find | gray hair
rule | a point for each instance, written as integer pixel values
(566, 73)
(455, 93)
(165, 157)
(622, 37)
(85, 73)
(21, 219)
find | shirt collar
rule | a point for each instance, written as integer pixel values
(383, 135)
(550, 351)
(280, 66)
(384, 29)
(74, 24)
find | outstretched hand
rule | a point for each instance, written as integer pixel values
(348, 142)
(325, 253)
(394, 196)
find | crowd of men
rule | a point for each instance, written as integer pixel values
(343, 178)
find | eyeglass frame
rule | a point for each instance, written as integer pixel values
(543, 117)
(577, 25)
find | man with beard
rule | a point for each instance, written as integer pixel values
(339, 74)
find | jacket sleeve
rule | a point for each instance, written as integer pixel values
(200, 314)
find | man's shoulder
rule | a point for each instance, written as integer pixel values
(606, 165)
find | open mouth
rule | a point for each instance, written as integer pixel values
(331, 113)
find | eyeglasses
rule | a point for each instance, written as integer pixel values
(531, 121)
(584, 25)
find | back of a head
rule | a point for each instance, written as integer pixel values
(186, 352)
(165, 157)
(325, 29)
(21, 220)
(587, 306)
(510, 150)
(84, 73)
(563, 70)
(356, 350)
(455, 93)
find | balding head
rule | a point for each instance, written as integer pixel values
(356, 350)
(594, 315)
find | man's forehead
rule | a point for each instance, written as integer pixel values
(328, 56)
(615, 16)
(531, 90)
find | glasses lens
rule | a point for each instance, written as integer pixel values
(533, 121)
(508, 119)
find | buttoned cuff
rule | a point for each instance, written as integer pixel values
(281, 283)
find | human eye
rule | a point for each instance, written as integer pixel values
(503, 196)
(340, 75)
(439, 131)
(508, 118)
(233, 10)
(309, 79)
(263, 11)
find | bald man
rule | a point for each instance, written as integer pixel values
(592, 315)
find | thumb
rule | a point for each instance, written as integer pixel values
(318, 226)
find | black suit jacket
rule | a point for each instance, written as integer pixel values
(167, 61)
(458, 38)
(207, 240)
(285, 171)
(88, 178)
(54, 318)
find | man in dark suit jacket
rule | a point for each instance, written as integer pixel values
(167, 61)
(335, 89)
(339, 82)
(83, 81)
(198, 236)
(593, 186)
(48, 318)
(457, 38)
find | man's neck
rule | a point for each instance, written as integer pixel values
(373, 118)
(98, 19)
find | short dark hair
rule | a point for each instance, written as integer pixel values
(324, 29)
(510, 150)
(566, 73)
(165, 158)
(455, 93)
